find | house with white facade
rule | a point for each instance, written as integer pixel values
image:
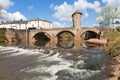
(34, 24)
(113, 23)
(39, 24)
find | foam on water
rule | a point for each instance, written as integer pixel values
(81, 73)
(51, 69)
(19, 51)
(62, 65)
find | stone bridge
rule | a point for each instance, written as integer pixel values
(28, 36)
(54, 34)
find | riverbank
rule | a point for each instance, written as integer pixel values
(115, 69)
(113, 37)
(113, 49)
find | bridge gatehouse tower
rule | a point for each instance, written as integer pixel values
(76, 18)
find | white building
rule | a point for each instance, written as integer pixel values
(115, 22)
(35, 23)
(39, 24)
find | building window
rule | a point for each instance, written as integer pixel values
(32, 25)
(117, 22)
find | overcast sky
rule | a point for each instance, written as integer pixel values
(56, 11)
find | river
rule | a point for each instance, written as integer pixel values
(40, 63)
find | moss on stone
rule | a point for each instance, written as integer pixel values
(3, 39)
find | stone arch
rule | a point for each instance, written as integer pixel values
(41, 38)
(65, 39)
(45, 33)
(58, 34)
(89, 34)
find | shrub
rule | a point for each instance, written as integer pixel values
(114, 50)
(118, 29)
(3, 39)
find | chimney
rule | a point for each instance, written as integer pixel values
(21, 20)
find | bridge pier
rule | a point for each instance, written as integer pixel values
(16, 37)
(53, 41)
(9, 34)
(77, 39)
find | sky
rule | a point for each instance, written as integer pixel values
(56, 11)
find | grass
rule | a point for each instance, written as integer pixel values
(114, 50)
(114, 42)
(111, 36)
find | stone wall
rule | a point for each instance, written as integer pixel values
(16, 36)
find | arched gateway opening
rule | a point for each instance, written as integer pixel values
(41, 39)
(89, 34)
(65, 39)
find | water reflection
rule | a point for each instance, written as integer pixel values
(65, 40)
(61, 43)
(66, 44)
(41, 43)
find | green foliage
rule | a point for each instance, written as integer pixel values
(3, 39)
(107, 13)
(118, 29)
(2, 31)
(115, 49)
(111, 36)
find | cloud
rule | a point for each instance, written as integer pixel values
(115, 3)
(5, 4)
(99, 19)
(4, 15)
(51, 6)
(30, 7)
(64, 11)
(86, 14)
(57, 25)
(60, 25)
(95, 6)
(12, 16)
(81, 5)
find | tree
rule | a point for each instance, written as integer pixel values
(106, 14)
